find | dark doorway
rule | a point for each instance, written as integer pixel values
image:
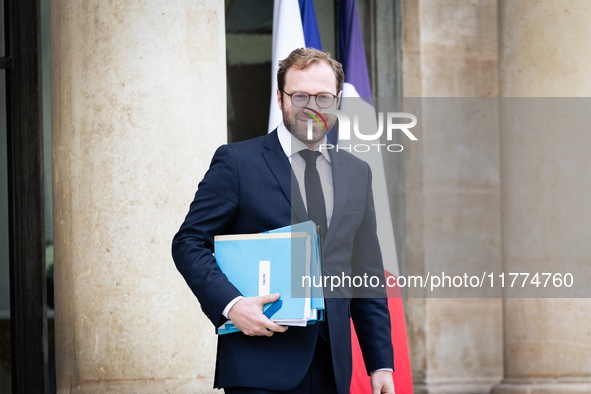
(21, 64)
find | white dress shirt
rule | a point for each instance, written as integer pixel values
(292, 146)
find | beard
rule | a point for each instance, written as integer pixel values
(298, 126)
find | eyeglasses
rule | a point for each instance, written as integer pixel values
(301, 99)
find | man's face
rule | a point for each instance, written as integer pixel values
(317, 78)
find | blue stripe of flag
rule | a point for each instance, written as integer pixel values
(311, 34)
(351, 52)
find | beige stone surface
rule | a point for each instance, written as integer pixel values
(460, 144)
(545, 229)
(460, 240)
(411, 48)
(452, 187)
(544, 48)
(144, 386)
(458, 333)
(138, 95)
(450, 335)
(546, 211)
(457, 352)
(458, 46)
(544, 52)
(545, 386)
(547, 338)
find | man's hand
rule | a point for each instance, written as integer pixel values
(247, 316)
(382, 383)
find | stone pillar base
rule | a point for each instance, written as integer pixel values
(456, 386)
(543, 386)
(188, 386)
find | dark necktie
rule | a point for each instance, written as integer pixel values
(314, 195)
(316, 209)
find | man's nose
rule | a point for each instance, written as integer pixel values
(312, 103)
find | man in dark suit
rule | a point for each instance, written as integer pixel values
(274, 181)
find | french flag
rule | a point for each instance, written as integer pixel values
(295, 26)
(357, 92)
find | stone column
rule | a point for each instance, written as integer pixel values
(452, 188)
(139, 106)
(544, 52)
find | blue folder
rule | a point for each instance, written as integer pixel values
(253, 261)
(317, 292)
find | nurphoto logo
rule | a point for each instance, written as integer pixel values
(392, 124)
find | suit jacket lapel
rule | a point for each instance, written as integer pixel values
(340, 183)
(279, 165)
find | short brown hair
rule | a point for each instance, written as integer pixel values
(302, 58)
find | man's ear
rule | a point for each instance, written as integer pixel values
(279, 98)
(339, 95)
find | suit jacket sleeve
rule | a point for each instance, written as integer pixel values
(211, 213)
(369, 309)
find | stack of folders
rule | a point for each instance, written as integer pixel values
(277, 261)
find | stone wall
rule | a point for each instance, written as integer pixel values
(452, 190)
(138, 102)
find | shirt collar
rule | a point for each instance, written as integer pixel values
(292, 145)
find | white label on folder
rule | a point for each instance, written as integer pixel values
(264, 278)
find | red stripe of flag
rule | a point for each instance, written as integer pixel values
(360, 383)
